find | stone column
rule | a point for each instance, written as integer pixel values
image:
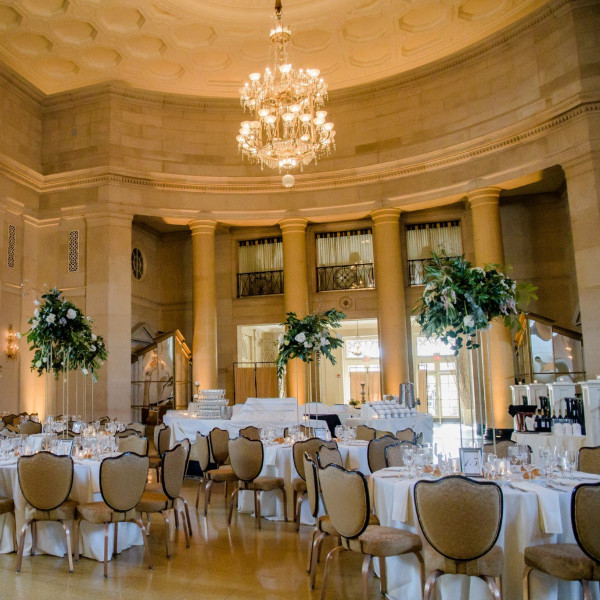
(391, 309)
(204, 344)
(108, 302)
(489, 249)
(583, 189)
(295, 295)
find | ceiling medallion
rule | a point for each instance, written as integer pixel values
(289, 129)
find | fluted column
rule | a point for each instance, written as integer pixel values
(204, 343)
(489, 249)
(391, 309)
(295, 295)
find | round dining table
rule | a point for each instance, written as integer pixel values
(533, 514)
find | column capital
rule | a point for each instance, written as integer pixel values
(385, 215)
(488, 195)
(202, 226)
(293, 225)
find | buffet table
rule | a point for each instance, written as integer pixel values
(522, 526)
(50, 535)
(419, 423)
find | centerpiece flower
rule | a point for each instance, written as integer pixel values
(61, 338)
(309, 338)
(459, 300)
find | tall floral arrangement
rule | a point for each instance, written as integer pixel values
(459, 300)
(309, 338)
(61, 337)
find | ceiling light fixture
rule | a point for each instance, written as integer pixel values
(289, 129)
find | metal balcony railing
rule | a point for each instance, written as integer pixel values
(416, 270)
(345, 277)
(262, 283)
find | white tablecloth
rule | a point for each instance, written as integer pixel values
(50, 536)
(548, 440)
(394, 501)
(279, 462)
(419, 423)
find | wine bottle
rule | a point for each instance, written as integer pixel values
(538, 422)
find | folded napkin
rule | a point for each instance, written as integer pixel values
(400, 500)
(584, 475)
(548, 505)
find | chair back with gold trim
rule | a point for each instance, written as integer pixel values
(8, 419)
(246, 458)
(123, 479)
(501, 448)
(312, 484)
(585, 507)
(219, 445)
(164, 440)
(588, 460)
(202, 451)
(133, 443)
(328, 456)
(30, 427)
(376, 452)
(250, 432)
(394, 454)
(459, 517)
(379, 433)
(366, 433)
(405, 435)
(174, 466)
(45, 479)
(127, 433)
(311, 445)
(157, 431)
(139, 427)
(346, 500)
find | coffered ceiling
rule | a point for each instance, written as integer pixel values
(208, 47)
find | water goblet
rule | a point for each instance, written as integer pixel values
(489, 465)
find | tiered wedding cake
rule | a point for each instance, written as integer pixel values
(209, 404)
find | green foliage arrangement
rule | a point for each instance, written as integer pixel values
(61, 338)
(459, 300)
(309, 338)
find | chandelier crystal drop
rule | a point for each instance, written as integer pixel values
(288, 127)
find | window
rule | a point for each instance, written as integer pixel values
(425, 238)
(260, 269)
(137, 264)
(345, 260)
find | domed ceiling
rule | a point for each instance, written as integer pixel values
(208, 47)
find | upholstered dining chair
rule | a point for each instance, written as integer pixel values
(311, 445)
(580, 561)
(405, 435)
(251, 432)
(139, 427)
(346, 500)
(122, 482)
(174, 464)
(223, 474)
(46, 481)
(133, 443)
(376, 452)
(8, 419)
(327, 456)
(218, 442)
(127, 433)
(162, 444)
(501, 448)
(588, 459)
(379, 433)
(394, 454)
(247, 458)
(461, 519)
(30, 428)
(366, 433)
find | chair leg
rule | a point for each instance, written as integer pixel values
(317, 544)
(225, 491)
(176, 519)
(185, 530)
(493, 585)
(69, 554)
(258, 513)
(383, 574)
(422, 564)
(116, 540)
(233, 495)
(207, 491)
(157, 469)
(202, 481)
(430, 583)
(587, 592)
(146, 545)
(187, 515)
(76, 534)
(294, 500)
(21, 546)
(526, 582)
(33, 537)
(313, 535)
(285, 515)
(105, 550)
(165, 514)
(328, 562)
(366, 569)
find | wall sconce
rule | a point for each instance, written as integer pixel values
(12, 344)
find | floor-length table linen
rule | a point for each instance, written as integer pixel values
(521, 527)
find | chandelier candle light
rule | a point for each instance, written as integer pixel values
(289, 127)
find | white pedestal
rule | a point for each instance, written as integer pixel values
(558, 391)
(536, 391)
(591, 411)
(518, 391)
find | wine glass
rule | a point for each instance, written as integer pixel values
(339, 430)
(489, 465)
(514, 459)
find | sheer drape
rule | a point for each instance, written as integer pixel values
(423, 239)
(260, 255)
(372, 383)
(344, 248)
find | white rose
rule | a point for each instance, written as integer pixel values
(324, 342)
(84, 371)
(36, 302)
(301, 337)
(51, 318)
(34, 322)
(280, 339)
(36, 312)
(94, 337)
(92, 348)
(38, 364)
(468, 321)
(18, 335)
(45, 359)
(307, 345)
(71, 313)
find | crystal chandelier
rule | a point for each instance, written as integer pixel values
(289, 127)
